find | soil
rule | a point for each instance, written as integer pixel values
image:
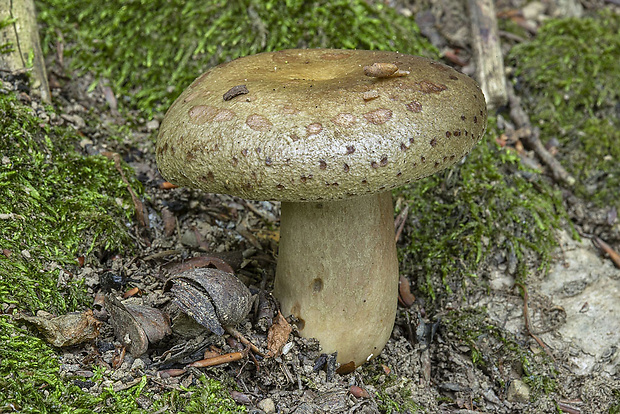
(574, 310)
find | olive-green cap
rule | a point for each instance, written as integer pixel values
(319, 124)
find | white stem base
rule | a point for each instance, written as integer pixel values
(338, 273)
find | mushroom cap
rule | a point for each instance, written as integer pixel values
(309, 125)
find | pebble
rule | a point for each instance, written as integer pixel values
(152, 125)
(518, 391)
(267, 405)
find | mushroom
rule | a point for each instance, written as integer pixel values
(304, 132)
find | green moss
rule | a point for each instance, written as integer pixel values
(460, 217)
(151, 50)
(58, 205)
(570, 80)
(388, 405)
(210, 397)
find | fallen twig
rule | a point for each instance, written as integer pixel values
(400, 221)
(220, 359)
(530, 137)
(568, 409)
(487, 52)
(613, 255)
(239, 336)
(528, 323)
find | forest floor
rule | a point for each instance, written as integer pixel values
(521, 335)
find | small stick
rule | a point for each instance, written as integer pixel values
(528, 324)
(239, 336)
(401, 219)
(531, 138)
(613, 255)
(220, 359)
(568, 409)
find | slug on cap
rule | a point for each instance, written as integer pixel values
(329, 133)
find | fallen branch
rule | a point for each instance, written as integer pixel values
(487, 52)
(530, 137)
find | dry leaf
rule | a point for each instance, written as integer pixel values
(278, 335)
(212, 297)
(137, 326)
(66, 330)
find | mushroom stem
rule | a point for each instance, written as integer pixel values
(338, 273)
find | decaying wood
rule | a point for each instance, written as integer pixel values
(531, 138)
(22, 35)
(487, 52)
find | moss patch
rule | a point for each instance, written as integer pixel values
(486, 205)
(58, 205)
(570, 80)
(151, 51)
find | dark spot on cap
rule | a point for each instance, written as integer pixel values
(207, 178)
(346, 167)
(268, 161)
(383, 161)
(430, 87)
(436, 164)
(258, 122)
(456, 133)
(403, 147)
(423, 158)
(453, 77)
(414, 106)
(235, 161)
(258, 150)
(378, 116)
(244, 152)
(448, 134)
(463, 117)
(398, 174)
(475, 119)
(294, 137)
(374, 164)
(314, 128)
(344, 120)
(433, 142)
(364, 181)
(412, 140)
(350, 149)
(280, 187)
(322, 164)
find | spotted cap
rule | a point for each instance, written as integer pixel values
(319, 124)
